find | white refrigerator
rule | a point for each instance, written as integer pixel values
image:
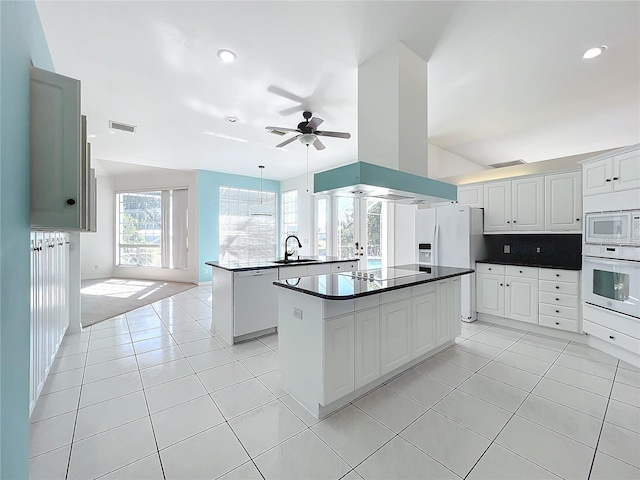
(452, 236)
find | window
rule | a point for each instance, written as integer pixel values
(247, 225)
(289, 213)
(323, 246)
(152, 228)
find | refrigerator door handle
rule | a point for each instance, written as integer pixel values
(435, 244)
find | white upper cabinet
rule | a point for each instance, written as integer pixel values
(597, 177)
(612, 174)
(626, 171)
(551, 203)
(472, 195)
(497, 210)
(61, 180)
(527, 203)
(563, 202)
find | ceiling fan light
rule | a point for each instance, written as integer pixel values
(227, 56)
(307, 139)
(594, 52)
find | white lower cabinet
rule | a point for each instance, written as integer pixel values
(367, 346)
(334, 350)
(443, 325)
(395, 335)
(540, 296)
(521, 299)
(490, 294)
(338, 357)
(424, 316)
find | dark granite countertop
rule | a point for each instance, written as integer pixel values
(342, 286)
(524, 263)
(239, 266)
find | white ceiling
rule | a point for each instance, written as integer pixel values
(506, 79)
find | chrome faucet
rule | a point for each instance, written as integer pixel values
(286, 252)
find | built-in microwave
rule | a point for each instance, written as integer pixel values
(612, 284)
(613, 228)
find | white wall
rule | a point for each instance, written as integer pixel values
(97, 252)
(443, 163)
(305, 210)
(98, 248)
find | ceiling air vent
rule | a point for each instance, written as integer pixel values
(508, 164)
(391, 196)
(122, 127)
(277, 132)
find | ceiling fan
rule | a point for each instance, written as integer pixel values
(307, 133)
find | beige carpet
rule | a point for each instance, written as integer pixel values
(106, 298)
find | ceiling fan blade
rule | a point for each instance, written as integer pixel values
(288, 141)
(292, 110)
(318, 144)
(333, 134)
(282, 129)
(314, 123)
(283, 93)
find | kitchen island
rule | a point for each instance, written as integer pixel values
(343, 334)
(244, 302)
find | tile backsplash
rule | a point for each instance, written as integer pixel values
(546, 249)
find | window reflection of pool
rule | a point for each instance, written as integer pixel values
(374, 263)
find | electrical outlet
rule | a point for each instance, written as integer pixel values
(507, 249)
(206, 269)
(537, 249)
(297, 313)
(96, 267)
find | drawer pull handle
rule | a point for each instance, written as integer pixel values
(557, 287)
(557, 323)
(520, 271)
(489, 268)
(577, 219)
(515, 221)
(611, 337)
(500, 284)
(557, 311)
(557, 299)
(615, 178)
(608, 180)
(507, 284)
(508, 221)
(557, 274)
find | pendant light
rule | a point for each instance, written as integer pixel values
(260, 212)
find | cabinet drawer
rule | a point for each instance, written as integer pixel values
(344, 266)
(334, 308)
(395, 295)
(320, 269)
(490, 268)
(560, 275)
(559, 299)
(611, 336)
(292, 272)
(622, 323)
(559, 287)
(559, 323)
(568, 313)
(526, 272)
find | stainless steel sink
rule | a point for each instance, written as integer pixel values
(299, 260)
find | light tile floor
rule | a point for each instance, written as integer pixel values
(153, 394)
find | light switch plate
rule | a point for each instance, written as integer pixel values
(297, 313)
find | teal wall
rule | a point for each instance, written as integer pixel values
(209, 184)
(21, 42)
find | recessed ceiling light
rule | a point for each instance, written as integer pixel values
(231, 119)
(227, 56)
(594, 52)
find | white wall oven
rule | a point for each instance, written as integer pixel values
(612, 284)
(613, 228)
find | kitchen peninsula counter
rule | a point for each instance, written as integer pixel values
(244, 265)
(244, 300)
(342, 335)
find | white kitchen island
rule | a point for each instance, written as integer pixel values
(244, 300)
(341, 336)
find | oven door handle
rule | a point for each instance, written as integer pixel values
(610, 261)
